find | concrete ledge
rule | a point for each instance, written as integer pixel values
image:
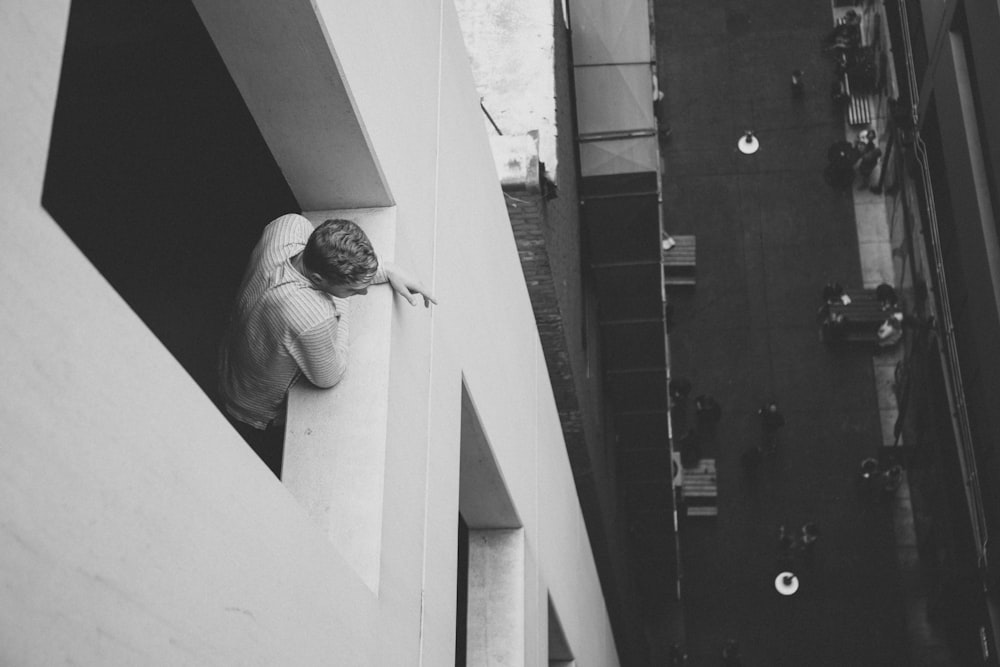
(517, 164)
(335, 440)
(296, 92)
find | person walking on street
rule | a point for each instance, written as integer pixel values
(809, 536)
(798, 85)
(886, 295)
(679, 390)
(771, 420)
(788, 547)
(869, 156)
(833, 293)
(731, 654)
(708, 412)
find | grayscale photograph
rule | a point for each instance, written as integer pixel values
(500, 333)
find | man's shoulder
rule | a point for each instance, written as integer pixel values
(282, 238)
(301, 308)
(290, 224)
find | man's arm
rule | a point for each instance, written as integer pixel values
(321, 352)
(406, 285)
(380, 273)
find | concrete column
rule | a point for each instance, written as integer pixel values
(281, 59)
(334, 460)
(495, 630)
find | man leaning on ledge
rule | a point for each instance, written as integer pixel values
(291, 318)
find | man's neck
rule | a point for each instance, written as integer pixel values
(299, 265)
(296, 262)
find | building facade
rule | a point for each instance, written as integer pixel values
(948, 134)
(427, 512)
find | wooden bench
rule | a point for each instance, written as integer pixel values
(863, 316)
(679, 261)
(699, 489)
(860, 107)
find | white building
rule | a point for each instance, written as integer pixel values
(137, 527)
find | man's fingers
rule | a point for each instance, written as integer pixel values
(418, 288)
(409, 289)
(428, 297)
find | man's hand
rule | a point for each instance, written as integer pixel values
(407, 286)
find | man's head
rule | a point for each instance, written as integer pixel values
(339, 258)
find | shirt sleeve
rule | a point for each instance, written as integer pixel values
(321, 352)
(380, 274)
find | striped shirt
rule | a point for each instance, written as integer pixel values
(281, 327)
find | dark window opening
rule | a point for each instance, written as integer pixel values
(960, 24)
(559, 652)
(462, 595)
(157, 170)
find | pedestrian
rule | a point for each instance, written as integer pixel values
(838, 93)
(870, 478)
(886, 295)
(788, 547)
(892, 477)
(809, 533)
(833, 293)
(841, 158)
(679, 390)
(833, 326)
(846, 35)
(291, 320)
(870, 154)
(842, 154)
(867, 138)
(689, 445)
(771, 420)
(731, 654)
(798, 85)
(891, 330)
(707, 409)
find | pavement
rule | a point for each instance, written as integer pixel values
(770, 234)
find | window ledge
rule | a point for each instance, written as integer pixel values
(335, 439)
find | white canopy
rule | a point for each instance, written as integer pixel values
(613, 68)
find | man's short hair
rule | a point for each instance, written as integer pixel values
(340, 251)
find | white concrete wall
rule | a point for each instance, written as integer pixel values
(130, 536)
(135, 526)
(453, 230)
(512, 51)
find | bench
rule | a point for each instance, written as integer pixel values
(860, 107)
(699, 489)
(864, 315)
(860, 104)
(679, 261)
